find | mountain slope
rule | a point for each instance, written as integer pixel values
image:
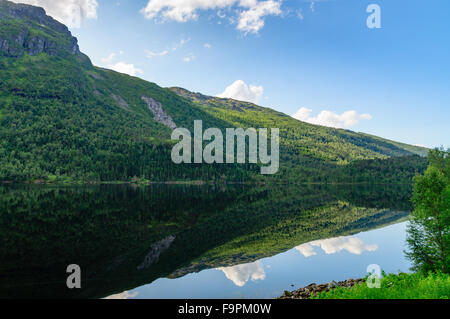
(61, 118)
(316, 138)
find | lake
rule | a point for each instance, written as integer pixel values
(210, 241)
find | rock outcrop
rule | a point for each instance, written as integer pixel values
(160, 115)
(314, 289)
(155, 251)
(120, 101)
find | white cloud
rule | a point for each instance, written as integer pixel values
(241, 274)
(251, 21)
(189, 58)
(180, 44)
(353, 245)
(175, 46)
(151, 54)
(123, 295)
(250, 12)
(126, 68)
(242, 92)
(207, 46)
(120, 66)
(69, 12)
(109, 59)
(327, 118)
(182, 10)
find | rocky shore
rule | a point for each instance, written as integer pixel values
(313, 289)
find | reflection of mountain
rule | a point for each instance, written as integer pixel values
(110, 230)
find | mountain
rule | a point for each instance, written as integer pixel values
(63, 119)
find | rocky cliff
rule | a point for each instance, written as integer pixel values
(26, 29)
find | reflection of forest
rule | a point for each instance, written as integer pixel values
(168, 231)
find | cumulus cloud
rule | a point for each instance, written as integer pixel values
(241, 274)
(110, 58)
(240, 91)
(250, 17)
(126, 68)
(121, 66)
(69, 12)
(182, 10)
(251, 20)
(353, 245)
(327, 118)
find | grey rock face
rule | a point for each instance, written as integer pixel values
(120, 101)
(160, 115)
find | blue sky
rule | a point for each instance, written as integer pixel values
(291, 54)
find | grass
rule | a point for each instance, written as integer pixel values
(401, 286)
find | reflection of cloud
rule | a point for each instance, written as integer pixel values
(306, 250)
(240, 274)
(123, 295)
(330, 246)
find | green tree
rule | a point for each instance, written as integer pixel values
(429, 231)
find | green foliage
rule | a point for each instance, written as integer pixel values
(298, 138)
(429, 232)
(401, 286)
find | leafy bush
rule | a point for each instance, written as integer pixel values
(401, 286)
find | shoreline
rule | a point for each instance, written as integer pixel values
(187, 182)
(313, 289)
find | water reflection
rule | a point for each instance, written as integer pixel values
(240, 274)
(330, 246)
(126, 237)
(270, 277)
(123, 295)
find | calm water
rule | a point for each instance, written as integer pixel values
(320, 261)
(171, 241)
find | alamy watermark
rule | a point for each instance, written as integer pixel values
(374, 19)
(236, 147)
(74, 279)
(374, 279)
